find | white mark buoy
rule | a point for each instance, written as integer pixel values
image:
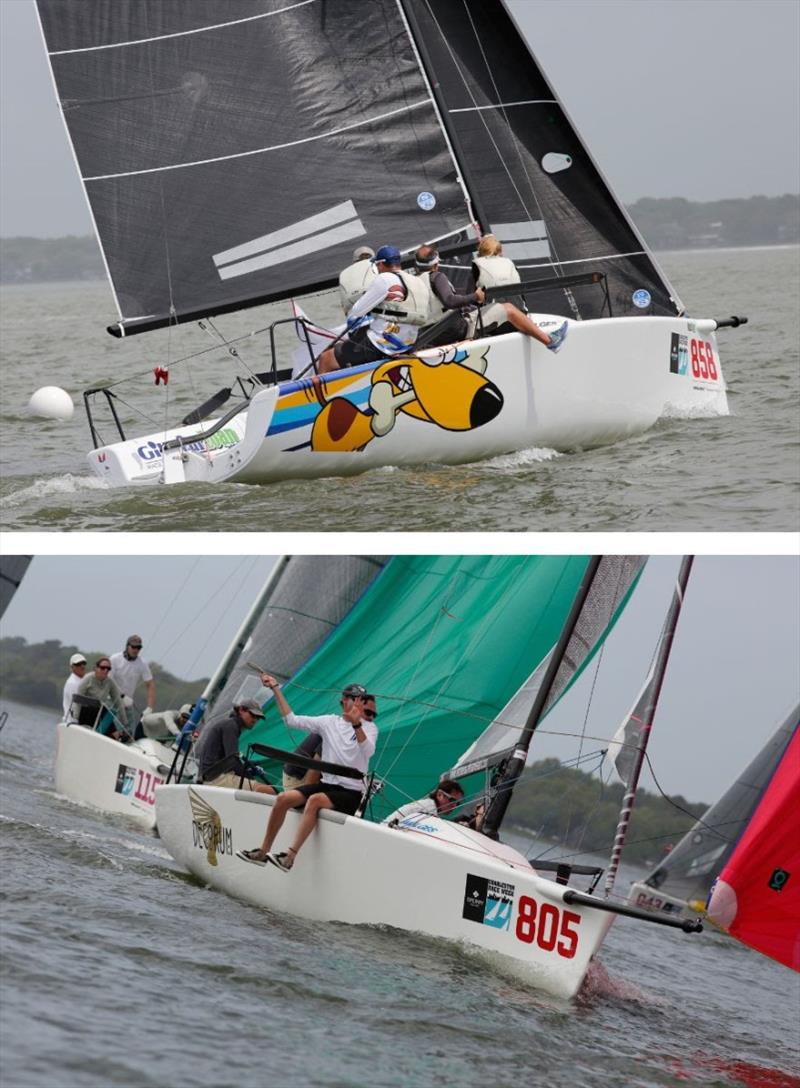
(51, 402)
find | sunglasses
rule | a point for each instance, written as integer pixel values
(135, 645)
(103, 668)
(370, 714)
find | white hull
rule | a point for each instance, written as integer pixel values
(648, 898)
(112, 777)
(429, 877)
(612, 379)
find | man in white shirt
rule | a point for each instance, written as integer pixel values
(347, 739)
(446, 797)
(386, 319)
(129, 669)
(77, 671)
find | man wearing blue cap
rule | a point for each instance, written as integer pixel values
(385, 320)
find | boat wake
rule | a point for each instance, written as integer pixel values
(600, 983)
(55, 485)
(523, 458)
(692, 411)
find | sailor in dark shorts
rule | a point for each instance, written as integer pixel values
(386, 319)
(347, 739)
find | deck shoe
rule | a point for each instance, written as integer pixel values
(558, 336)
(283, 861)
(255, 857)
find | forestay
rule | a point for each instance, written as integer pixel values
(443, 642)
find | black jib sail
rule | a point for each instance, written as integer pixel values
(233, 153)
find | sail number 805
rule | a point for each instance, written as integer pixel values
(551, 928)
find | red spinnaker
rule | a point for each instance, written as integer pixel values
(757, 895)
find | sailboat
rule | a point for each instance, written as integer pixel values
(12, 570)
(756, 897)
(291, 614)
(231, 157)
(681, 883)
(443, 642)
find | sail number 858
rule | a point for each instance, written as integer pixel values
(551, 928)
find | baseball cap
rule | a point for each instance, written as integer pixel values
(355, 691)
(133, 640)
(360, 253)
(252, 706)
(77, 659)
(186, 709)
(387, 253)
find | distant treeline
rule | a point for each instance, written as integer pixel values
(673, 223)
(571, 807)
(34, 674)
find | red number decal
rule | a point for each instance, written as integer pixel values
(695, 362)
(568, 949)
(554, 930)
(548, 927)
(526, 918)
(712, 366)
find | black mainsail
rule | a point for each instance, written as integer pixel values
(233, 153)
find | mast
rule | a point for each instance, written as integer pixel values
(474, 205)
(218, 680)
(516, 763)
(642, 715)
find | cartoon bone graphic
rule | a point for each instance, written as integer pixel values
(447, 388)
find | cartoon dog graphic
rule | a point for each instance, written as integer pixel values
(448, 389)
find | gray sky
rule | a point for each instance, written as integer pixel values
(733, 675)
(693, 98)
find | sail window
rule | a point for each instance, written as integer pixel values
(553, 162)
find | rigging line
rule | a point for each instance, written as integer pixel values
(600, 654)
(506, 105)
(443, 611)
(468, 89)
(168, 610)
(680, 808)
(261, 150)
(181, 33)
(212, 629)
(515, 141)
(187, 627)
(437, 111)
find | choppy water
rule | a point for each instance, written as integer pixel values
(120, 970)
(737, 473)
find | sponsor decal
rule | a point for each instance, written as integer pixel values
(678, 353)
(207, 831)
(641, 298)
(488, 902)
(137, 785)
(151, 451)
(125, 779)
(779, 879)
(426, 201)
(418, 823)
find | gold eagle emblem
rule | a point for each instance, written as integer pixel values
(207, 821)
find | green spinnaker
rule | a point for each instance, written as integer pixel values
(443, 642)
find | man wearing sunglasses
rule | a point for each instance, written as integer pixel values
(129, 669)
(441, 802)
(347, 739)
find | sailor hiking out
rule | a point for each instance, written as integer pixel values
(386, 319)
(348, 739)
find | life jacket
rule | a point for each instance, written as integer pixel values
(414, 308)
(495, 271)
(436, 310)
(354, 281)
